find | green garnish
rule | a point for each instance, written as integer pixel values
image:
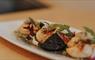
(32, 21)
(59, 26)
(36, 24)
(88, 30)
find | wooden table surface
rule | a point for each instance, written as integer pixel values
(76, 13)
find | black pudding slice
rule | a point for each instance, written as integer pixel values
(53, 43)
(41, 24)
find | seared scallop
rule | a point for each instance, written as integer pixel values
(43, 34)
(83, 52)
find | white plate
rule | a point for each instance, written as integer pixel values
(6, 31)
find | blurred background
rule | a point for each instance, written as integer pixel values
(19, 5)
(81, 12)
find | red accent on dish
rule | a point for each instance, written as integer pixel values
(64, 38)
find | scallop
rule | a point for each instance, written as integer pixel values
(42, 34)
(73, 41)
(76, 52)
(23, 30)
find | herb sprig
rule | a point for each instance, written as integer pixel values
(88, 30)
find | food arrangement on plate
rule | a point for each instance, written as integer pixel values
(58, 38)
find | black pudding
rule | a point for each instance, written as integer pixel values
(53, 43)
(41, 24)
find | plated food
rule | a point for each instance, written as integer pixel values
(58, 38)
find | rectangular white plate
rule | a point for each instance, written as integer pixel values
(6, 31)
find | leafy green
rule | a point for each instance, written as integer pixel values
(32, 21)
(88, 30)
(59, 26)
(35, 23)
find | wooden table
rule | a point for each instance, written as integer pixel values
(74, 13)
